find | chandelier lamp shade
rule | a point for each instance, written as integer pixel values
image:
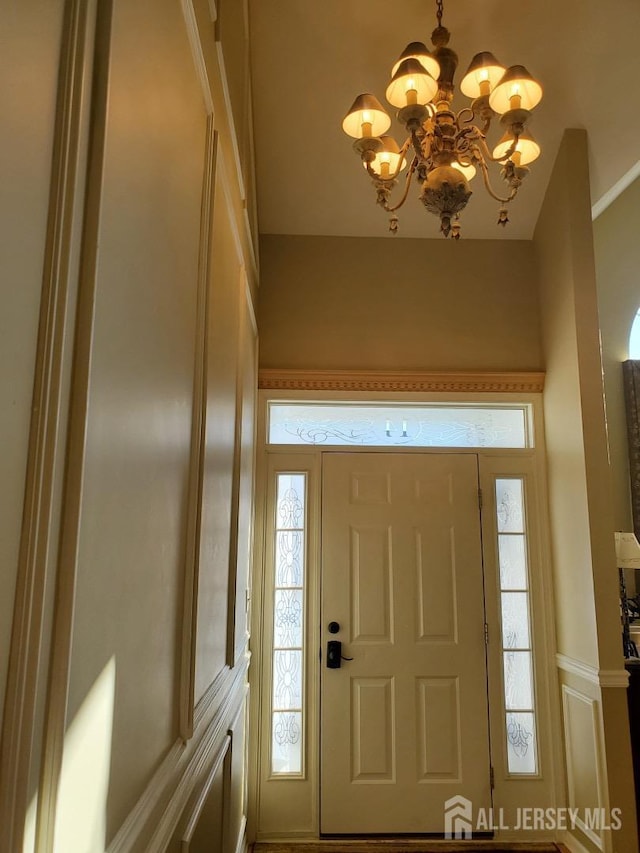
(443, 149)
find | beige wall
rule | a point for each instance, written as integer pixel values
(587, 615)
(28, 79)
(340, 302)
(144, 521)
(617, 253)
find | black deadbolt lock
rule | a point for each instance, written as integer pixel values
(333, 627)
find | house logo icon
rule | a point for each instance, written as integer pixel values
(457, 818)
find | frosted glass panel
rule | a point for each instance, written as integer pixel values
(521, 743)
(517, 680)
(289, 543)
(510, 506)
(398, 426)
(513, 562)
(289, 558)
(515, 620)
(287, 679)
(516, 627)
(288, 618)
(286, 742)
(290, 501)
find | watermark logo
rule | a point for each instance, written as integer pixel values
(458, 818)
(461, 820)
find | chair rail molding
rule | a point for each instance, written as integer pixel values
(599, 677)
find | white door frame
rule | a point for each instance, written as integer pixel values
(282, 808)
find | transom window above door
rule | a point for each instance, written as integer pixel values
(401, 425)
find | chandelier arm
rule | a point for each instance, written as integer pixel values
(416, 141)
(401, 153)
(489, 189)
(465, 143)
(412, 169)
(371, 173)
(487, 154)
(462, 112)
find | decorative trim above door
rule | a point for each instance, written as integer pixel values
(365, 380)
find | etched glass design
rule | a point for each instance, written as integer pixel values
(399, 426)
(286, 742)
(289, 557)
(515, 620)
(509, 506)
(521, 743)
(287, 734)
(288, 618)
(513, 562)
(287, 679)
(290, 501)
(520, 723)
(517, 680)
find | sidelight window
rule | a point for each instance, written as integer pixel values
(287, 729)
(517, 658)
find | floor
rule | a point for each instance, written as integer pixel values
(409, 845)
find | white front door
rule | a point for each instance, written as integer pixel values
(404, 725)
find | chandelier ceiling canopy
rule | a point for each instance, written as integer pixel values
(444, 149)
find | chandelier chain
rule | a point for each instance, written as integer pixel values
(439, 10)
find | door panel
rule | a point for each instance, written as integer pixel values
(405, 723)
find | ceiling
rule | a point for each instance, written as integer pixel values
(310, 58)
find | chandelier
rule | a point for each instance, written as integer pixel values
(446, 148)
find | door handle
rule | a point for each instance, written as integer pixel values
(334, 654)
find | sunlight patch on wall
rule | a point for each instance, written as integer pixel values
(634, 338)
(84, 780)
(29, 843)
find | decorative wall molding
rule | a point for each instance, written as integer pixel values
(217, 687)
(67, 562)
(198, 55)
(196, 811)
(230, 117)
(242, 844)
(250, 306)
(167, 794)
(614, 678)
(251, 243)
(599, 677)
(198, 437)
(222, 172)
(347, 380)
(616, 190)
(241, 180)
(235, 482)
(47, 437)
(215, 734)
(572, 843)
(132, 828)
(573, 698)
